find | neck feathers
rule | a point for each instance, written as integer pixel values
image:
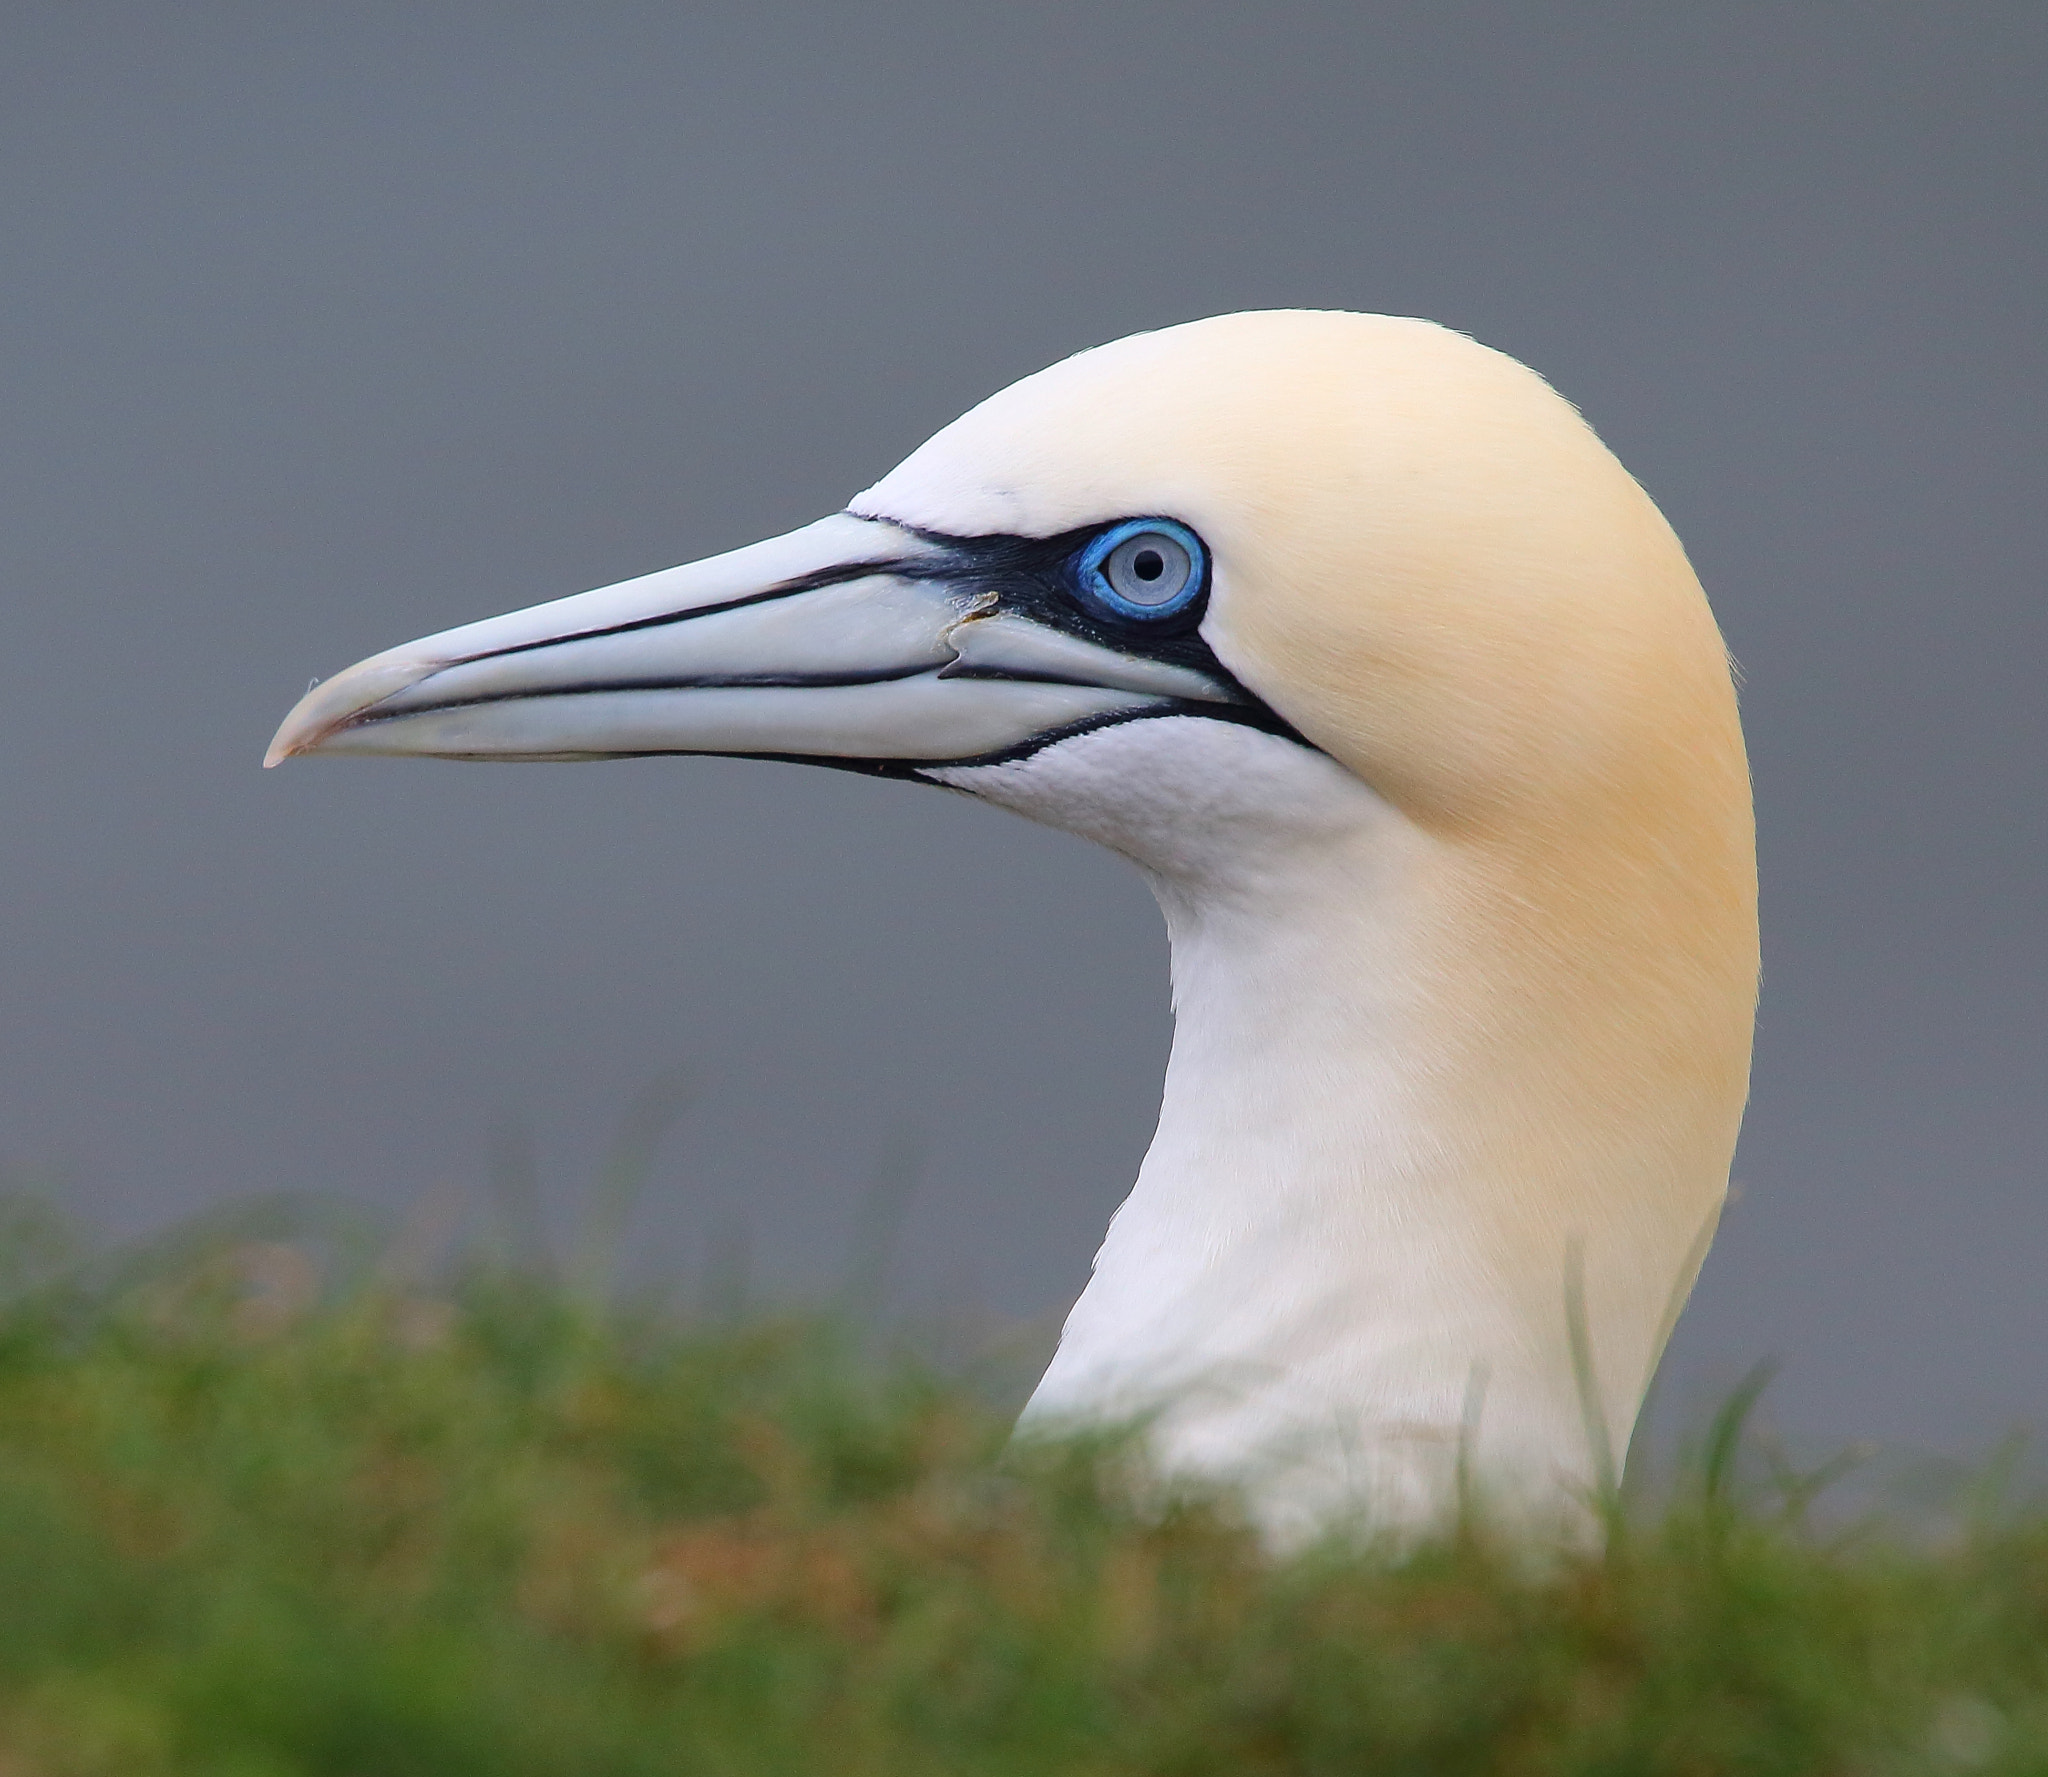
(1425, 1110)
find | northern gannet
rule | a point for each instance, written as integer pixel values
(1351, 635)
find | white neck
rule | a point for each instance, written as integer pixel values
(1339, 1278)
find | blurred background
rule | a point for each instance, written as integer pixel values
(325, 327)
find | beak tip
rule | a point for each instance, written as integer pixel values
(301, 732)
(331, 705)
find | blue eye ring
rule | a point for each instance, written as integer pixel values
(1108, 560)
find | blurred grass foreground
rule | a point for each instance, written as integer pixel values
(261, 1515)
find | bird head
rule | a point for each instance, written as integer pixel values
(1369, 536)
(1175, 583)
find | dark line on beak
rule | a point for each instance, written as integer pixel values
(896, 568)
(1243, 715)
(1226, 695)
(377, 713)
(1255, 716)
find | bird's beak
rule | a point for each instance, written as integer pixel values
(851, 641)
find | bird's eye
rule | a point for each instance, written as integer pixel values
(1145, 568)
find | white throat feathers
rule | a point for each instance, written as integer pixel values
(1339, 1281)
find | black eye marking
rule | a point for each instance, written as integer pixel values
(1039, 578)
(1050, 580)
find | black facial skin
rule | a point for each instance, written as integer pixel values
(1031, 577)
(1034, 577)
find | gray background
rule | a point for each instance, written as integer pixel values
(328, 326)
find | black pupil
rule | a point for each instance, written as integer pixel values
(1148, 564)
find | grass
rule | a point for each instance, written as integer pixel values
(258, 1522)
